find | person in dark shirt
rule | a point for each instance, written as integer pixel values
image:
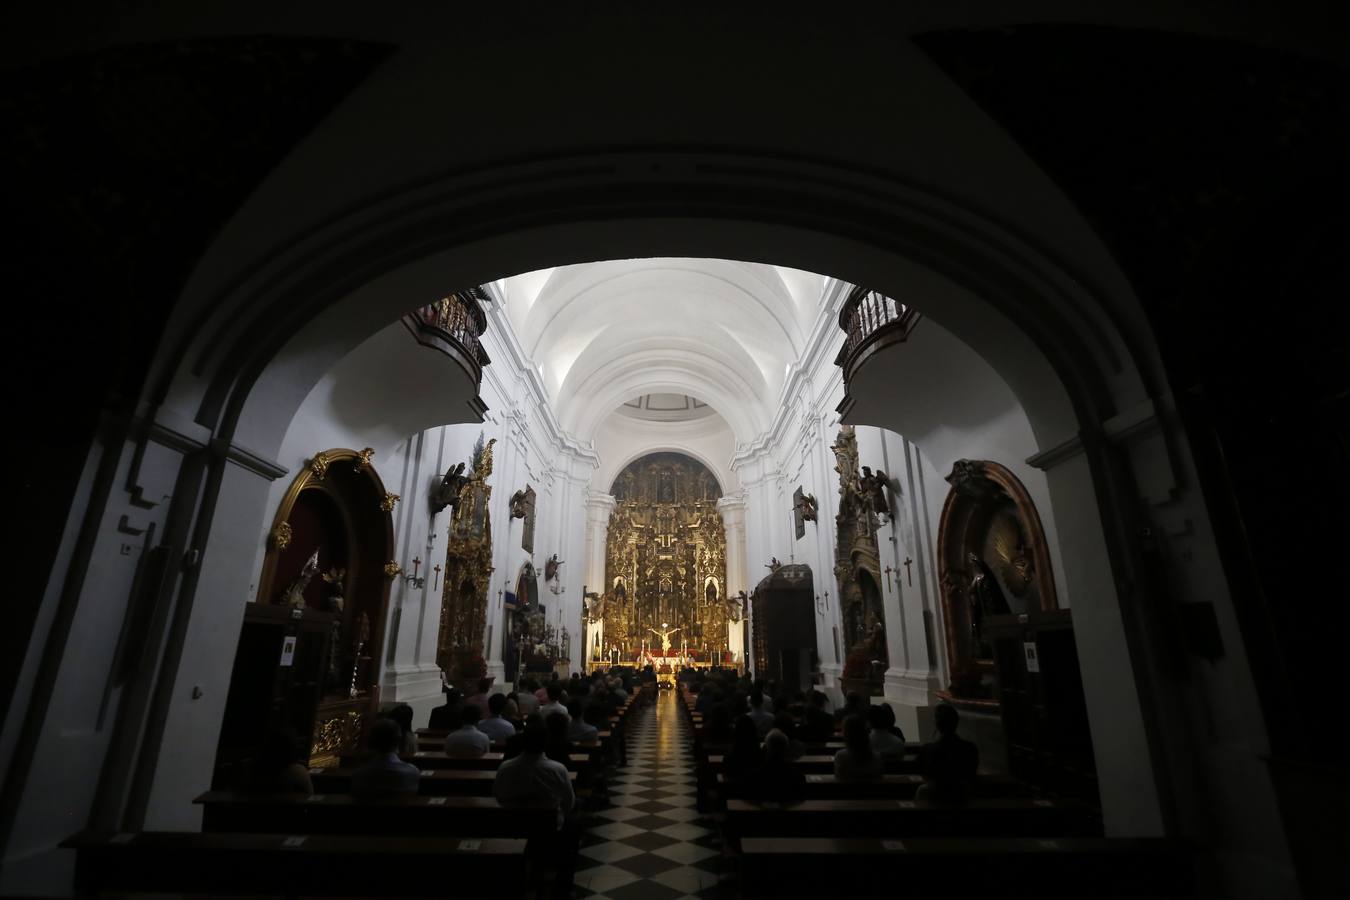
(949, 764)
(447, 717)
(785, 724)
(277, 767)
(817, 724)
(559, 747)
(745, 754)
(776, 779)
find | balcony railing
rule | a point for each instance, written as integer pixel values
(870, 322)
(453, 325)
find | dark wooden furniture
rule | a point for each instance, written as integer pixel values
(298, 865)
(997, 817)
(417, 815)
(1040, 695)
(944, 868)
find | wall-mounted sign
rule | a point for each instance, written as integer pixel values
(287, 650)
(1033, 661)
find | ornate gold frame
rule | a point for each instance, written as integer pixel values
(968, 478)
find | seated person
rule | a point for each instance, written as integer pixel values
(526, 698)
(817, 724)
(559, 746)
(511, 712)
(776, 779)
(554, 693)
(949, 764)
(744, 757)
(887, 740)
(480, 699)
(403, 715)
(531, 777)
(496, 726)
(785, 724)
(385, 774)
(277, 768)
(857, 761)
(445, 717)
(578, 730)
(467, 742)
(762, 718)
(515, 745)
(855, 704)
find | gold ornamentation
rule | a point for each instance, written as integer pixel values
(857, 559)
(392, 569)
(319, 465)
(363, 459)
(281, 536)
(335, 734)
(387, 504)
(665, 560)
(468, 566)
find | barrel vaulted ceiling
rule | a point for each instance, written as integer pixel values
(719, 331)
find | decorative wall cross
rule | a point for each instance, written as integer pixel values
(908, 575)
(437, 585)
(888, 570)
(416, 562)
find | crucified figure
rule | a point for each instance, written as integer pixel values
(664, 635)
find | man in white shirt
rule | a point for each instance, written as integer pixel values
(886, 739)
(467, 741)
(494, 726)
(532, 777)
(386, 774)
(554, 704)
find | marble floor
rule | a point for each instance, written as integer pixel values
(649, 842)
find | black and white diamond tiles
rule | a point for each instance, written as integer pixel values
(650, 843)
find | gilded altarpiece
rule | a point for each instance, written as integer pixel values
(857, 568)
(665, 560)
(468, 571)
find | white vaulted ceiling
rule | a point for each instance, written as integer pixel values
(721, 331)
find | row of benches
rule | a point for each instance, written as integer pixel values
(452, 838)
(871, 837)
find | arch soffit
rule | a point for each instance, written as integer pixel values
(338, 292)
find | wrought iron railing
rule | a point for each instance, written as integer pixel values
(870, 321)
(453, 325)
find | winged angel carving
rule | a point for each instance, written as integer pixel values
(1012, 558)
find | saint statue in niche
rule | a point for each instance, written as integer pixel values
(295, 591)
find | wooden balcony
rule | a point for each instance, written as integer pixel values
(452, 325)
(871, 323)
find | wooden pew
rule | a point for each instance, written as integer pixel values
(890, 787)
(297, 864)
(943, 868)
(445, 782)
(411, 815)
(823, 764)
(996, 817)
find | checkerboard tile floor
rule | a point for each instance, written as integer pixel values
(650, 843)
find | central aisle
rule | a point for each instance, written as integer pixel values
(651, 843)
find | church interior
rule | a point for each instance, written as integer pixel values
(664, 452)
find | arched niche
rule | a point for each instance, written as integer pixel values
(337, 513)
(993, 560)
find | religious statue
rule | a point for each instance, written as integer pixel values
(664, 634)
(986, 598)
(447, 492)
(294, 596)
(334, 577)
(774, 565)
(518, 504)
(551, 578)
(809, 508)
(873, 486)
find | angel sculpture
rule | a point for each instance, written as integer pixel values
(1015, 566)
(295, 591)
(873, 486)
(447, 492)
(518, 505)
